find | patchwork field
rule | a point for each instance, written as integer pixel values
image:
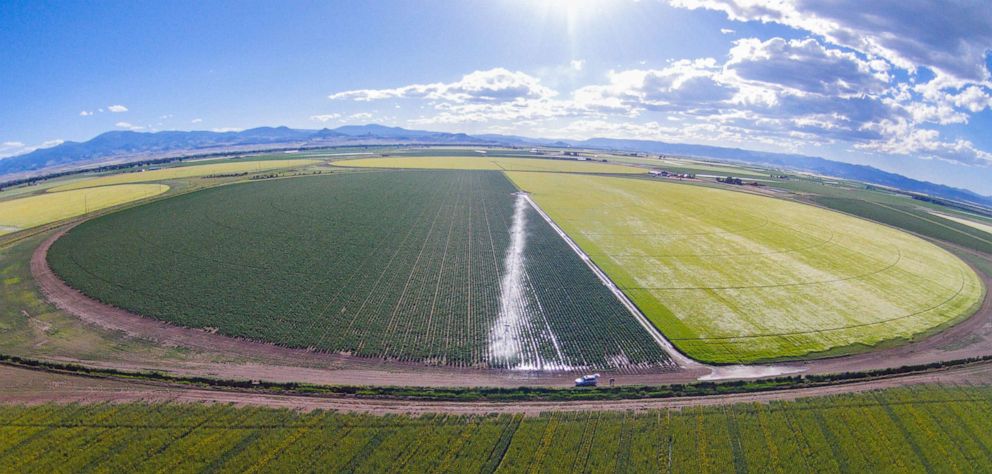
(490, 163)
(914, 220)
(982, 226)
(735, 277)
(179, 172)
(31, 211)
(442, 267)
(689, 166)
(931, 429)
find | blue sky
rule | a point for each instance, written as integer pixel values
(902, 85)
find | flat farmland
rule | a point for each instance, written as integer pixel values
(915, 220)
(490, 163)
(734, 277)
(179, 172)
(923, 429)
(31, 211)
(689, 166)
(984, 226)
(439, 267)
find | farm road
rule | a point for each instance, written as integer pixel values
(32, 387)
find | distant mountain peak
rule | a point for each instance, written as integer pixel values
(122, 144)
(119, 144)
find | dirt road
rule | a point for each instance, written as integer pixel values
(23, 386)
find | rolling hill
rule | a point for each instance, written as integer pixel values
(125, 145)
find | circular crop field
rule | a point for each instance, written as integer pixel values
(454, 268)
(440, 267)
(737, 277)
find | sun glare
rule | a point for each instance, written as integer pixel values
(575, 15)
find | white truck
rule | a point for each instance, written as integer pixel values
(587, 380)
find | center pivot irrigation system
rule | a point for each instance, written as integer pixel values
(715, 372)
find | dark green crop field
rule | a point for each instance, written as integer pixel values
(443, 267)
(932, 429)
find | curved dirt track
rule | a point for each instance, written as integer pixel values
(36, 387)
(970, 338)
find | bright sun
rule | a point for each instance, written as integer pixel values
(576, 13)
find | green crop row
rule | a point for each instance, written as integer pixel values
(396, 265)
(934, 428)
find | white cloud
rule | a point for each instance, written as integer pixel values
(727, 31)
(481, 96)
(197, 120)
(117, 108)
(325, 117)
(951, 37)
(805, 66)
(903, 138)
(85, 113)
(577, 64)
(493, 85)
(685, 85)
(226, 129)
(129, 126)
(14, 147)
(360, 116)
(519, 111)
(974, 98)
(776, 93)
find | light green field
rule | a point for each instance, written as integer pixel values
(735, 277)
(20, 191)
(184, 172)
(31, 211)
(940, 429)
(490, 163)
(676, 164)
(968, 222)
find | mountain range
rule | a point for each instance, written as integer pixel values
(122, 146)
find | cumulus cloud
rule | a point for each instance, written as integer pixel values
(683, 85)
(577, 64)
(14, 148)
(950, 37)
(197, 120)
(129, 126)
(780, 93)
(727, 31)
(806, 66)
(325, 117)
(117, 108)
(493, 85)
(518, 111)
(973, 98)
(85, 113)
(902, 138)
